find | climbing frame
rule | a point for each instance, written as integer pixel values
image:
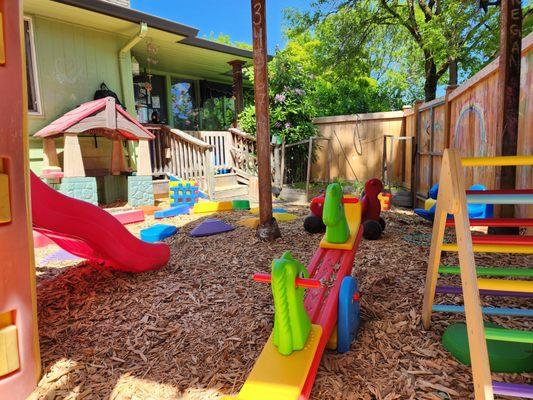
(453, 200)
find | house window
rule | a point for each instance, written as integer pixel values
(34, 101)
(183, 104)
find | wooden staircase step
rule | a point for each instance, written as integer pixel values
(230, 192)
(222, 180)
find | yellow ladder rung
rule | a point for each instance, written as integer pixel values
(506, 285)
(496, 161)
(493, 248)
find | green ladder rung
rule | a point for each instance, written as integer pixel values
(488, 271)
(508, 335)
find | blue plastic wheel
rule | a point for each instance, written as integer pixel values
(348, 321)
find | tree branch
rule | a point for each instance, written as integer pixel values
(426, 9)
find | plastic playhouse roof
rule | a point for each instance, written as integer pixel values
(97, 117)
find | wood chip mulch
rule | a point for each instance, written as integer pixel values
(194, 329)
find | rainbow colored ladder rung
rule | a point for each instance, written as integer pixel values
(183, 192)
(452, 308)
(496, 197)
(513, 389)
(508, 335)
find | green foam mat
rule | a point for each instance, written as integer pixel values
(503, 356)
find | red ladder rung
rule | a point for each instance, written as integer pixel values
(498, 222)
(502, 239)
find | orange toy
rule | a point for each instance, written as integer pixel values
(19, 346)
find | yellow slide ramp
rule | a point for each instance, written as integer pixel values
(278, 377)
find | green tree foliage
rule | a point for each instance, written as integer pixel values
(226, 39)
(405, 39)
(291, 113)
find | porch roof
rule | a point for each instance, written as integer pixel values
(181, 51)
(102, 116)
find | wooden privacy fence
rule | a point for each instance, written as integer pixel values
(466, 119)
(355, 151)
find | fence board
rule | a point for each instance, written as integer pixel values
(357, 145)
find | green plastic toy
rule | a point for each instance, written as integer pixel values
(503, 356)
(241, 204)
(291, 322)
(334, 217)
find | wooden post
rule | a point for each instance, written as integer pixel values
(447, 116)
(50, 153)
(415, 173)
(144, 165)
(237, 88)
(268, 227)
(509, 90)
(308, 174)
(72, 159)
(118, 163)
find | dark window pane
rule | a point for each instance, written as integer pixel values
(30, 78)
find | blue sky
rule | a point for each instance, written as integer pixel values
(231, 17)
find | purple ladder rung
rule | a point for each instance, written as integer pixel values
(482, 292)
(513, 389)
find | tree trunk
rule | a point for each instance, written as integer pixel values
(452, 72)
(509, 95)
(432, 80)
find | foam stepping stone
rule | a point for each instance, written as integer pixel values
(511, 357)
(284, 217)
(211, 226)
(149, 210)
(251, 222)
(157, 232)
(277, 210)
(58, 256)
(241, 204)
(172, 211)
(40, 240)
(212, 206)
(129, 217)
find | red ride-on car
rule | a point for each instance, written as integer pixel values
(373, 223)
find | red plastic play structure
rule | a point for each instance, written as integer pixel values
(90, 232)
(373, 223)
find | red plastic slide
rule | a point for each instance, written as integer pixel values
(90, 232)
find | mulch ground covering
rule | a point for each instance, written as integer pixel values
(194, 329)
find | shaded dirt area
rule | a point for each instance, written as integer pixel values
(193, 329)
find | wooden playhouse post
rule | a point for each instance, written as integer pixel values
(50, 153)
(118, 162)
(72, 159)
(144, 165)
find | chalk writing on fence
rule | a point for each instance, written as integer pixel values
(458, 132)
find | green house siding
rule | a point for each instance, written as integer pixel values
(72, 61)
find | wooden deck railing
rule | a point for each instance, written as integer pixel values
(243, 151)
(222, 143)
(198, 154)
(178, 153)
